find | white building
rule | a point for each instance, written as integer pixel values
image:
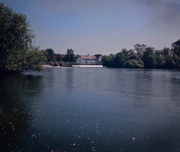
(86, 59)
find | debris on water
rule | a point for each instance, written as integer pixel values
(93, 149)
(74, 144)
(133, 138)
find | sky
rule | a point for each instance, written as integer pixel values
(100, 26)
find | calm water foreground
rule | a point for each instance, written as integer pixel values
(91, 109)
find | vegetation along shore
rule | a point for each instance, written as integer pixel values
(17, 52)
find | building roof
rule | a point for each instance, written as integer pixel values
(97, 56)
(87, 57)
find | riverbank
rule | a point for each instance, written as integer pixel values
(88, 66)
(82, 66)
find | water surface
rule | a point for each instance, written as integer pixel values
(91, 109)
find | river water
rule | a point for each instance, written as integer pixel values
(91, 109)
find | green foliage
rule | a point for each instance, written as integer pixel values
(15, 32)
(69, 57)
(17, 61)
(148, 58)
(145, 57)
(49, 54)
(132, 63)
(150, 62)
(119, 59)
(15, 42)
(139, 48)
(124, 59)
(34, 59)
(58, 57)
(166, 51)
(177, 64)
(176, 48)
(169, 62)
(14, 61)
(160, 61)
(105, 60)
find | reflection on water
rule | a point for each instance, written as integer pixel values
(16, 97)
(91, 109)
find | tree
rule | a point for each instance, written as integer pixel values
(123, 59)
(18, 61)
(119, 59)
(160, 61)
(69, 57)
(150, 62)
(49, 54)
(169, 62)
(34, 59)
(58, 57)
(132, 63)
(139, 48)
(148, 58)
(159, 52)
(176, 48)
(175, 52)
(110, 60)
(15, 40)
(105, 60)
(166, 51)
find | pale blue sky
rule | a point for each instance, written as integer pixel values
(100, 26)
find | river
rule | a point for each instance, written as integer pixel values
(91, 109)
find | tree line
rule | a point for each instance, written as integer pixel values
(145, 57)
(17, 52)
(51, 56)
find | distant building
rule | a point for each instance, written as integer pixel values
(87, 59)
